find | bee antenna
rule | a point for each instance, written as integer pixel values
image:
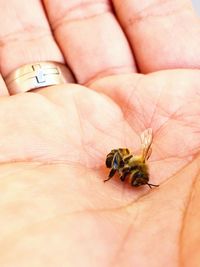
(150, 185)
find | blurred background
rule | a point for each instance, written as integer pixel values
(196, 4)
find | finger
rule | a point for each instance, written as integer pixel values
(90, 37)
(163, 34)
(190, 237)
(26, 36)
(3, 88)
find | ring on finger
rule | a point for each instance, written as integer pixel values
(36, 75)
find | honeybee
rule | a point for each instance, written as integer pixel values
(134, 167)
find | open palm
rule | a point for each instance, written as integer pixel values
(55, 208)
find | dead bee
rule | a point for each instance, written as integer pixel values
(121, 160)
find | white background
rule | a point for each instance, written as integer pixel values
(196, 4)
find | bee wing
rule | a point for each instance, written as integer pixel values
(149, 153)
(146, 141)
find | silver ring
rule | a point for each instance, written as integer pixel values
(37, 75)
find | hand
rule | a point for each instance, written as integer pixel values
(55, 208)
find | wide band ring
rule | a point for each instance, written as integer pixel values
(37, 75)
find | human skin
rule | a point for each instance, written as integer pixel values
(55, 209)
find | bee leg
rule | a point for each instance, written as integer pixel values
(111, 174)
(123, 177)
(150, 185)
(127, 158)
(119, 160)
